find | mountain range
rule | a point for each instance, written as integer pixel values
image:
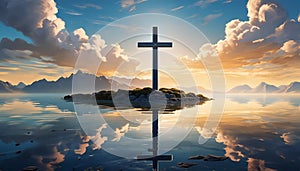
(64, 85)
(265, 88)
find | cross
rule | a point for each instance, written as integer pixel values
(155, 45)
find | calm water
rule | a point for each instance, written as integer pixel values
(255, 132)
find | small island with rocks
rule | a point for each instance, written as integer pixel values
(168, 99)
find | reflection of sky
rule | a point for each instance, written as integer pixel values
(256, 133)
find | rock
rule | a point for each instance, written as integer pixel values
(68, 98)
(196, 157)
(30, 168)
(185, 165)
(215, 158)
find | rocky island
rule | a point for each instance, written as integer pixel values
(146, 98)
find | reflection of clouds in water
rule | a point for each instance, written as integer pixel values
(205, 134)
(98, 139)
(257, 165)
(82, 149)
(289, 138)
(54, 159)
(121, 132)
(20, 107)
(232, 147)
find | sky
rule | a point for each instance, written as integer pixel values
(256, 40)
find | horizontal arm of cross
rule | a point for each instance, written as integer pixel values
(159, 44)
(145, 44)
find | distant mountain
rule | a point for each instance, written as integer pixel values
(132, 83)
(265, 88)
(21, 85)
(294, 87)
(64, 85)
(282, 88)
(6, 87)
(241, 89)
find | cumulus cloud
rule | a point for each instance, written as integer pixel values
(268, 37)
(52, 43)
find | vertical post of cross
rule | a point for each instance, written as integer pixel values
(155, 44)
(155, 59)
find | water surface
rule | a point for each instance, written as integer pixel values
(255, 132)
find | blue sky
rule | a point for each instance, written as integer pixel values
(210, 16)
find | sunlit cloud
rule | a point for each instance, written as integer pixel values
(131, 4)
(267, 41)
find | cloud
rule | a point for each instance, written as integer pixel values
(268, 40)
(177, 8)
(131, 4)
(85, 6)
(51, 42)
(210, 17)
(227, 1)
(132, 8)
(203, 3)
(73, 13)
(127, 3)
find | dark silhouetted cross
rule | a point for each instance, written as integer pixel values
(155, 158)
(155, 45)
